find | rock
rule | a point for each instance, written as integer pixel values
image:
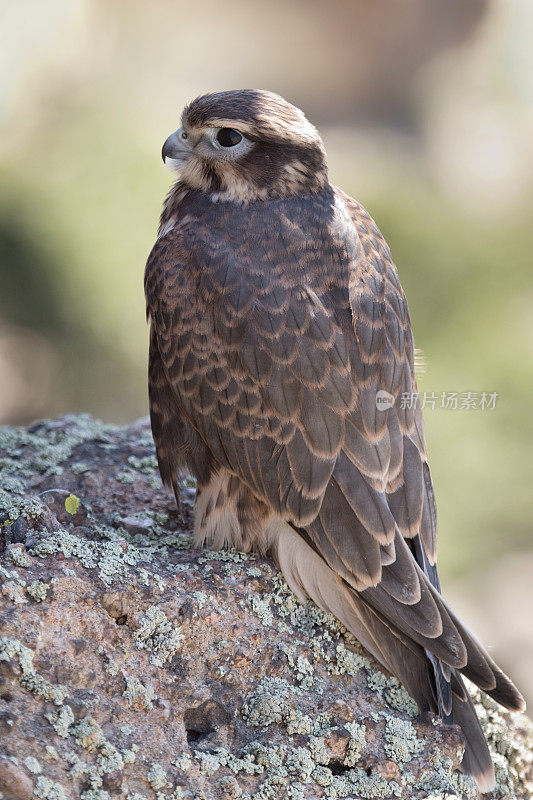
(204, 719)
(116, 604)
(14, 783)
(19, 530)
(112, 781)
(135, 666)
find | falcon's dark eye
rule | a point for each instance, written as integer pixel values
(228, 137)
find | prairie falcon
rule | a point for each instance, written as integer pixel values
(277, 323)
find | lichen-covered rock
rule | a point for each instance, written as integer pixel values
(134, 666)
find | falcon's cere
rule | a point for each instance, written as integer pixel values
(276, 316)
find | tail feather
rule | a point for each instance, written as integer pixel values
(457, 686)
(506, 693)
(477, 760)
(500, 688)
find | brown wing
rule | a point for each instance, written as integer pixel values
(177, 443)
(256, 344)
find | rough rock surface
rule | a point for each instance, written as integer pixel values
(134, 666)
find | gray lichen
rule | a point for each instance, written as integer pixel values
(18, 555)
(157, 634)
(401, 741)
(61, 720)
(269, 702)
(32, 765)
(48, 789)
(140, 696)
(14, 590)
(38, 590)
(45, 448)
(157, 777)
(30, 679)
(356, 744)
(112, 558)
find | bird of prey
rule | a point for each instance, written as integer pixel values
(280, 350)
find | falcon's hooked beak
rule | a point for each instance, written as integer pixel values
(176, 146)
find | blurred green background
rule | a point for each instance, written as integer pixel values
(426, 111)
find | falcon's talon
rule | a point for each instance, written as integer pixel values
(277, 316)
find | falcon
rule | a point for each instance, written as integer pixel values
(281, 354)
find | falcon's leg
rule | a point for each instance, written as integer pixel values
(228, 515)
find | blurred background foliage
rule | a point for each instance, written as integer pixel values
(426, 111)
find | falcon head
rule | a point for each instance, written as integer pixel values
(247, 145)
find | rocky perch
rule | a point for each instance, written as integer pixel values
(133, 665)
